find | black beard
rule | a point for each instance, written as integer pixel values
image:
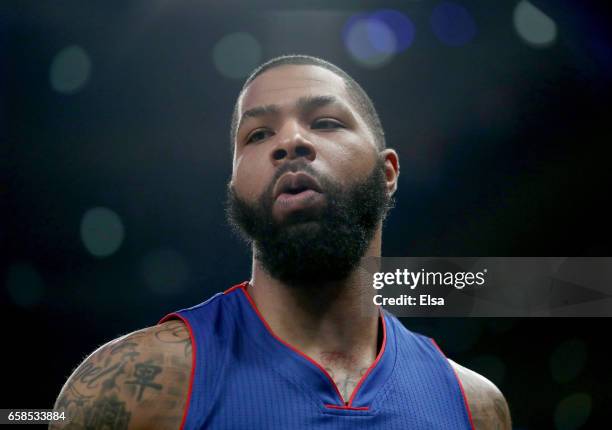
(306, 248)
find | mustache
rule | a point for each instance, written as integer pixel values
(300, 165)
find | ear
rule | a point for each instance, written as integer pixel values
(391, 160)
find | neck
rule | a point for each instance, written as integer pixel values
(325, 318)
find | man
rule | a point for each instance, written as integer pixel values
(292, 348)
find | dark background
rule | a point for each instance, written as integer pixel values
(503, 142)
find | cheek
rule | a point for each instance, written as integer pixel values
(349, 160)
(250, 178)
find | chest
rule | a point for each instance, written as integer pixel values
(345, 370)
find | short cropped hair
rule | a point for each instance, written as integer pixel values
(358, 96)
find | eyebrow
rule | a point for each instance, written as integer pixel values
(305, 104)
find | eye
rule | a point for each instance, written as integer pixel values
(327, 124)
(258, 135)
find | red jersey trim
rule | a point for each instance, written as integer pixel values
(235, 287)
(378, 357)
(193, 361)
(350, 408)
(465, 400)
(349, 404)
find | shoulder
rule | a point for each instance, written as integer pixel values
(487, 403)
(132, 381)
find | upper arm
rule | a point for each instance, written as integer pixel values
(131, 382)
(486, 402)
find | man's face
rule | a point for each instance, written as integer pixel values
(308, 187)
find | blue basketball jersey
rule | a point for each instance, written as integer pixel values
(245, 377)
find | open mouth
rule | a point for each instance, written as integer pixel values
(297, 190)
(293, 184)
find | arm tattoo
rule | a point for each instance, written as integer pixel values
(487, 404)
(107, 413)
(141, 378)
(175, 332)
(144, 375)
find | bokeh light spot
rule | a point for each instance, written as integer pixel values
(70, 70)
(452, 24)
(102, 231)
(533, 26)
(24, 285)
(568, 360)
(165, 271)
(572, 412)
(380, 36)
(401, 26)
(236, 55)
(370, 41)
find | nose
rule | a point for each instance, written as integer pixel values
(292, 143)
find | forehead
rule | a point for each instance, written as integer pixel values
(285, 84)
